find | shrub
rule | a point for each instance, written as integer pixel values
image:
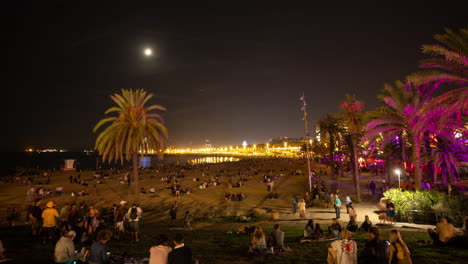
(426, 206)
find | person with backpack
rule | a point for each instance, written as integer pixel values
(375, 250)
(133, 215)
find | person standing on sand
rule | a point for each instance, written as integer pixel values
(120, 219)
(173, 212)
(133, 215)
(49, 215)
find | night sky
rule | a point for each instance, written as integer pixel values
(226, 73)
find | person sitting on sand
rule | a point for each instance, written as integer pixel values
(443, 232)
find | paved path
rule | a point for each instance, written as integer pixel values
(324, 216)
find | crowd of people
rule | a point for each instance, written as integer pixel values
(83, 224)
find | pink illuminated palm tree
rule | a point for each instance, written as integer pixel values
(353, 111)
(401, 117)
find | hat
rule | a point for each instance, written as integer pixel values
(50, 204)
(123, 202)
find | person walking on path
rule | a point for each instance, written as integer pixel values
(337, 203)
(133, 215)
(173, 212)
(351, 210)
(294, 202)
(390, 212)
(372, 187)
(347, 202)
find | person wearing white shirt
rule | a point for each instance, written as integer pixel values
(347, 202)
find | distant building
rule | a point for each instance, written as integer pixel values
(208, 143)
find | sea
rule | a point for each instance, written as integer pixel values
(11, 161)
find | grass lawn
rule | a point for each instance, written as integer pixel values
(211, 243)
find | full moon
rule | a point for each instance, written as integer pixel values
(148, 52)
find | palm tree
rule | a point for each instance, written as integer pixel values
(353, 113)
(330, 128)
(401, 117)
(449, 66)
(134, 126)
(449, 62)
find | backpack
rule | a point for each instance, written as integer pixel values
(133, 213)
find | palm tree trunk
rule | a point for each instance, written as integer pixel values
(403, 157)
(136, 178)
(417, 163)
(356, 169)
(332, 157)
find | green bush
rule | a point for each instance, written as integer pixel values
(426, 206)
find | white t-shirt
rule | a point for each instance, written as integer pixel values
(346, 251)
(158, 254)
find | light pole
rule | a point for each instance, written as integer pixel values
(397, 171)
(304, 104)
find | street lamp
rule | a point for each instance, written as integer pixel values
(397, 171)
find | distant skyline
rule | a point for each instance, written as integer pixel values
(226, 74)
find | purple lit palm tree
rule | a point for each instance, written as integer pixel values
(449, 60)
(401, 117)
(448, 66)
(353, 111)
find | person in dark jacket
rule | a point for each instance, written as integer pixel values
(99, 253)
(375, 250)
(181, 253)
